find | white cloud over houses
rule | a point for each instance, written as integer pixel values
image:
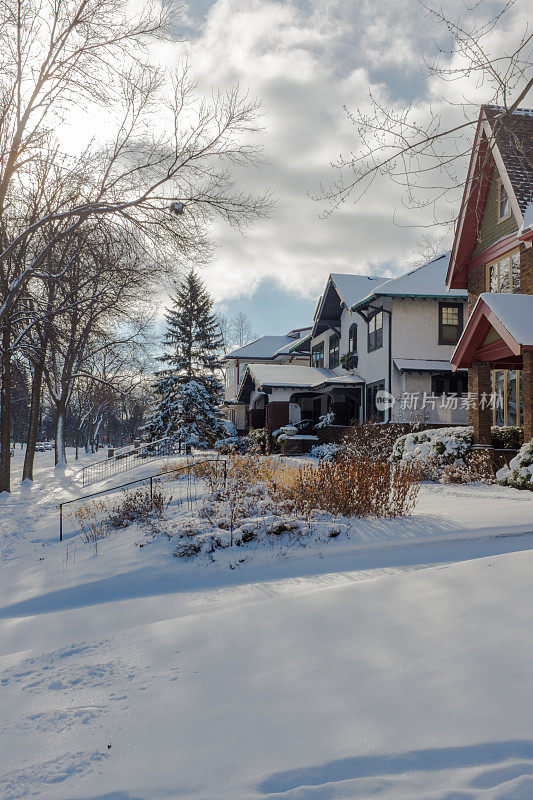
(305, 61)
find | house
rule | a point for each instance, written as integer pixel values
(292, 348)
(492, 257)
(397, 336)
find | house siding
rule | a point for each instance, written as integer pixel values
(491, 230)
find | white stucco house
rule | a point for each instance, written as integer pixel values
(369, 334)
(292, 348)
(398, 336)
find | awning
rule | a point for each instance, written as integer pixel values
(422, 365)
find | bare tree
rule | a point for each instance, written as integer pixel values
(242, 328)
(414, 148)
(165, 171)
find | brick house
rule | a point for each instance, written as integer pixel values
(492, 257)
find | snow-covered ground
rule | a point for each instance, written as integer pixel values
(392, 662)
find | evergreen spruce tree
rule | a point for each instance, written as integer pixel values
(188, 392)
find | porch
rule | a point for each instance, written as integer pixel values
(497, 348)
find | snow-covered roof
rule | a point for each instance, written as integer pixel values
(514, 311)
(264, 347)
(352, 288)
(294, 344)
(422, 365)
(302, 377)
(429, 280)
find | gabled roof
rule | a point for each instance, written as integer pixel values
(425, 281)
(341, 290)
(509, 148)
(515, 145)
(301, 345)
(352, 288)
(267, 376)
(499, 329)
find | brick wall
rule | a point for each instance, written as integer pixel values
(526, 270)
(332, 434)
(528, 395)
(479, 382)
(277, 415)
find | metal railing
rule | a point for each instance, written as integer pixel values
(157, 477)
(124, 461)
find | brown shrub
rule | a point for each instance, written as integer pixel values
(351, 488)
(370, 440)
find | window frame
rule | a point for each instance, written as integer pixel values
(445, 304)
(335, 350)
(351, 331)
(501, 186)
(455, 384)
(371, 389)
(317, 348)
(375, 342)
(496, 263)
(519, 399)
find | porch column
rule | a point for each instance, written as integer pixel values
(479, 384)
(277, 415)
(527, 377)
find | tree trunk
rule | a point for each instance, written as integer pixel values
(5, 404)
(33, 428)
(60, 452)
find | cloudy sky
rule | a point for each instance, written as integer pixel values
(305, 60)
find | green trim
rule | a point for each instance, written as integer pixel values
(451, 298)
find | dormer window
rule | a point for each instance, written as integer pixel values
(503, 203)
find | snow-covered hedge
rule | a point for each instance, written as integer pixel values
(326, 452)
(520, 471)
(441, 446)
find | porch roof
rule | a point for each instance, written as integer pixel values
(500, 328)
(288, 376)
(422, 365)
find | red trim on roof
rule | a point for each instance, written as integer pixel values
(471, 347)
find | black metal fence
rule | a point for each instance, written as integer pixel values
(124, 461)
(189, 481)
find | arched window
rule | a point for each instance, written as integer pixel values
(352, 339)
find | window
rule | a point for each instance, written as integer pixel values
(450, 322)
(334, 351)
(375, 331)
(317, 355)
(371, 409)
(504, 275)
(352, 339)
(449, 383)
(503, 203)
(508, 392)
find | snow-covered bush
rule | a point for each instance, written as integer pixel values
(437, 446)
(327, 452)
(236, 444)
(520, 471)
(509, 437)
(325, 420)
(259, 437)
(374, 440)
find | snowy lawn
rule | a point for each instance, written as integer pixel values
(393, 661)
